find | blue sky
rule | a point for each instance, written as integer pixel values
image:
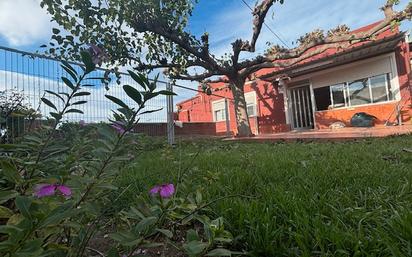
(24, 25)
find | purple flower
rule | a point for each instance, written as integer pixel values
(98, 55)
(44, 190)
(119, 127)
(82, 123)
(165, 190)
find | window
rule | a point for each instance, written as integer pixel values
(381, 90)
(338, 95)
(359, 92)
(251, 104)
(219, 112)
(375, 89)
(322, 98)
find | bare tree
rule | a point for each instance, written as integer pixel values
(127, 29)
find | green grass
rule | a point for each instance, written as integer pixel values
(312, 199)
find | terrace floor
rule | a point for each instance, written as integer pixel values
(331, 135)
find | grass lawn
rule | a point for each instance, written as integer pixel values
(312, 199)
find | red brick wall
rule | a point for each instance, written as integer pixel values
(188, 129)
(270, 109)
(270, 104)
(324, 119)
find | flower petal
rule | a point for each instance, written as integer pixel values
(44, 190)
(167, 191)
(65, 190)
(154, 190)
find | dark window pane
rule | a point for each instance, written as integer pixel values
(251, 110)
(359, 92)
(338, 95)
(322, 97)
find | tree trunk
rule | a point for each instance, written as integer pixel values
(242, 117)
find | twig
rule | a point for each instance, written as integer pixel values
(96, 251)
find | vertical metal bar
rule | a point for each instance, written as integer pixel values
(312, 100)
(300, 109)
(170, 116)
(227, 117)
(305, 107)
(370, 90)
(388, 95)
(295, 111)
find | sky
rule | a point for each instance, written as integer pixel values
(25, 26)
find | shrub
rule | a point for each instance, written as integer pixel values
(15, 114)
(57, 185)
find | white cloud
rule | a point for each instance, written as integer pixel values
(23, 22)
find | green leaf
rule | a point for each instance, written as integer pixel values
(82, 94)
(126, 238)
(5, 213)
(195, 248)
(68, 66)
(149, 95)
(192, 235)
(145, 224)
(113, 252)
(10, 172)
(55, 94)
(9, 229)
(56, 31)
(55, 115)
(8, 146)
(219, 252)
(68, 83)
(23, 203)
(48, 103)
(117, 101)
(74, 111)
(31, 248)
(57, 215)
(140, 79)
(151, 111)
(79, 103)
(166, 232)
(72, 72)
(7, 195)
(166, 92)
(133, 93)
(88, 62)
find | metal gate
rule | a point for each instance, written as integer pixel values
(300, 105)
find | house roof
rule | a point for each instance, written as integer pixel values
(356, 53)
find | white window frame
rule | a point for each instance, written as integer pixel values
(215, 109)
(251, 95)
(348, 104)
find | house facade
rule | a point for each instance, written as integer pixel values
(372, 77)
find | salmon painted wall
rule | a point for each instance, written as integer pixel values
(270, 108)
(382, 111)
(270, 102)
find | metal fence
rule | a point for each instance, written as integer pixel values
(30, 74)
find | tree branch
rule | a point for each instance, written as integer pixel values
(259, 14)
(195, 77)
(183, 40)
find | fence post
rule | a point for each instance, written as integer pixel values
(228, 134)
(170, 116)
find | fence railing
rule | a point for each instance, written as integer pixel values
(31, 74)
